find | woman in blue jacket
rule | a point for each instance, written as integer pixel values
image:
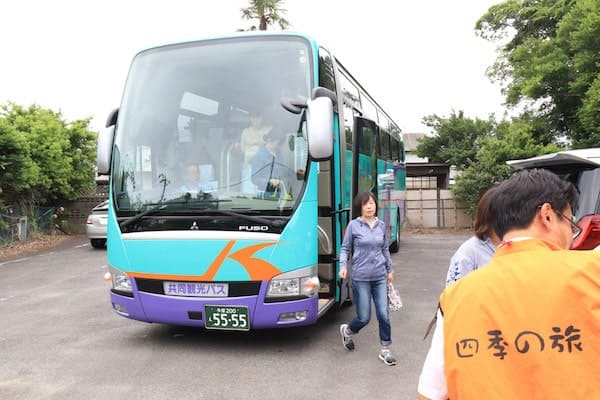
(366, 238)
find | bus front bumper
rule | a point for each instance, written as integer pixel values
(190, 311)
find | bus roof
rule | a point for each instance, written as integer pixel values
(236, 35)
(583, 158)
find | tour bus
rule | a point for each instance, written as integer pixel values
(230, 253)
(582, 167)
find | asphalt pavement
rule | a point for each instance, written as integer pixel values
(59, 339)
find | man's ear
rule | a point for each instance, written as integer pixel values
(546, 212)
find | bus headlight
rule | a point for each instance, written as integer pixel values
(284, 287)
(120, 281)
(287, 286)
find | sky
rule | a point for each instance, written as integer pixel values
(416, 58)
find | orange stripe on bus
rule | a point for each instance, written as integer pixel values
(214, 267)
(257, 269)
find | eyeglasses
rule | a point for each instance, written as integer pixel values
(575, 229)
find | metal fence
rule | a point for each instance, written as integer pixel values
(17, 224)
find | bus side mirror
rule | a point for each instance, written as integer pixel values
(104, 150)
(319, 128)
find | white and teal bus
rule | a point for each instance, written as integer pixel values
(224, 254)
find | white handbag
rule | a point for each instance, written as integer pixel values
(394, 300)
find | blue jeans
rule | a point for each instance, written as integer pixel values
(363, 291)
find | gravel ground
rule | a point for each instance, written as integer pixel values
(33, 245)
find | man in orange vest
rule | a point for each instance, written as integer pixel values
(527, 326)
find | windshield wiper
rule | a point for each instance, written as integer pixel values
(161, 205)
(252, 218)
(137, 217)
(207, 201)
(275, 223)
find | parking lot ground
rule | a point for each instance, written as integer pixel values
(59, 338)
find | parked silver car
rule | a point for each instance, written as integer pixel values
(96, 225)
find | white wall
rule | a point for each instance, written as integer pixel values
(433, 208)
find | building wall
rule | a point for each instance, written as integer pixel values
(435, 208)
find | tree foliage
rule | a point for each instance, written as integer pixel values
(43, 159)
(17, 169)
(455, 140)
(509, 140)
(549, 62)
(267, 12)
(479, 149)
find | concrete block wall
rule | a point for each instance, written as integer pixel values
(436, 208)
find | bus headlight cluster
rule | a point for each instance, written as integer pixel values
(120, 281)
(284, 287)
(302, 286)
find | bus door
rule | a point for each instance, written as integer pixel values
(364, 178)
(364, 174)
(345, 174)
(334, 215)
(328, 234)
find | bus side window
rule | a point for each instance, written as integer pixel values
(395, 150)
(326, 74)
(384, 145)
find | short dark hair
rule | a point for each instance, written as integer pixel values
(361, 199)
(483, 225)
(516, 200)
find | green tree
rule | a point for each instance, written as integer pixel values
(480, 148)
(455, 139)
(17, 169)
(268, 12)
(57, 157)
(509, 140)
(549, 62)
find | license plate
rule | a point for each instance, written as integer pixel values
(195, 289)
(226, 317)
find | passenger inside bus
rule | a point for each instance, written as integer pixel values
(269, 172)
(197, 179)
(251, 141)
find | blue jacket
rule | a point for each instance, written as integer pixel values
(266, 166)
(471, 255)
(371, 259)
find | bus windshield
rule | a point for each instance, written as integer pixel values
(201, 128)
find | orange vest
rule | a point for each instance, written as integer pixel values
(527, 326)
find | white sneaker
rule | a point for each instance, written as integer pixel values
(387, 357)
(346, 339)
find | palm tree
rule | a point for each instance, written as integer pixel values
(268, 12)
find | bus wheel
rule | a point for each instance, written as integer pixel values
(395, 244)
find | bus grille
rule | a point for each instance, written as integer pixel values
(236, 289)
